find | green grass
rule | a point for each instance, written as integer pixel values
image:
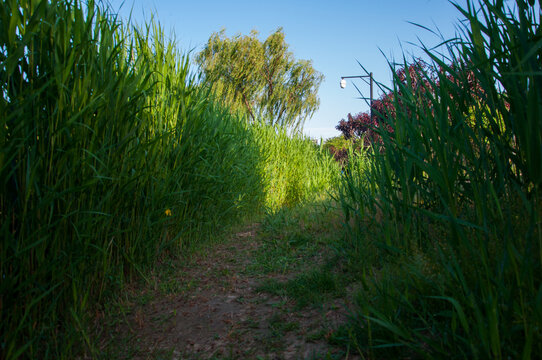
(312, 287)
(295, 237)
(113, 156)
(300, 244)
(444, 216)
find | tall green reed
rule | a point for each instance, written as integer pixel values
(456, 186)
(60, 165)
(111, 155)
(295, 169)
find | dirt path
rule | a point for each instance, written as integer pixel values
(215, 308)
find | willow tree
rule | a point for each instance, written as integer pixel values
(263, 80)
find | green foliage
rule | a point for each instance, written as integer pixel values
(342, 149)
(295, 169)
(337, 142)
(262, 80)
(449, 207)
(111, 156)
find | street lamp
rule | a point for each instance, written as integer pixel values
(370, 76)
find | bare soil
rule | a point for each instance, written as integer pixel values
(211, 308)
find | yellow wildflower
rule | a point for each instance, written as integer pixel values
(168, 212)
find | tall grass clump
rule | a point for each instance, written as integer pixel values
(111, 155)
(294, 168)
(447, 215)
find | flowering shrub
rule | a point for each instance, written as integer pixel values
(420, 80)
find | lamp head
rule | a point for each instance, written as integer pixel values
(343, 83)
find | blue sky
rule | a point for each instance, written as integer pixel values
(335, 35)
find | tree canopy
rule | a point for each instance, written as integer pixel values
(263, 80)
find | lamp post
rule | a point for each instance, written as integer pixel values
(370, 76)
